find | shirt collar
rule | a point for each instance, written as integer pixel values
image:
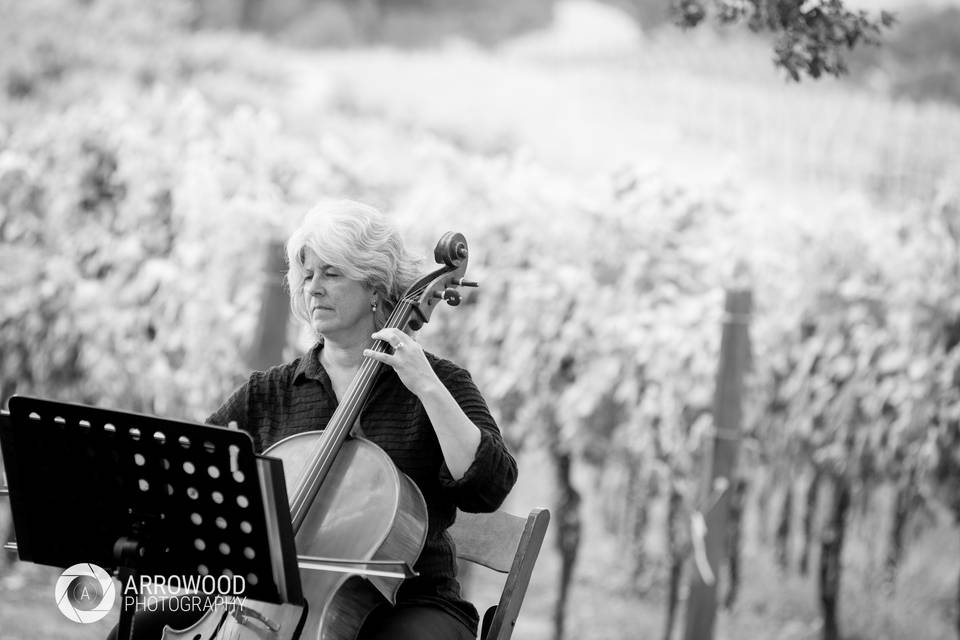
(309, 367)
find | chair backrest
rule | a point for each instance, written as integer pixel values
(508, 544)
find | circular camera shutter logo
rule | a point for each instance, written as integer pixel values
(85, 593)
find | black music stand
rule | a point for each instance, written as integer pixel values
(141, 495)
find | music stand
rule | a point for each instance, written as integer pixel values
(142, 495)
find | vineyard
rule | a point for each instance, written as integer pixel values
(611, 199)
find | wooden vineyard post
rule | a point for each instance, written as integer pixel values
(271, 333)
(711, 520)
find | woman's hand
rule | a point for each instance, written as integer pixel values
(408, 360)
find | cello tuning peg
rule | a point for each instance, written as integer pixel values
(468, 283)
(452, 296)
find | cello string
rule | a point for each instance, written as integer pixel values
(324, 449)
(328, 446)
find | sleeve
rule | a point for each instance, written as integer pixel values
(493, 472)
(235, 408)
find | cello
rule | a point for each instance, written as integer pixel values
(350, 507)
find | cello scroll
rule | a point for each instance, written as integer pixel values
(452, 252)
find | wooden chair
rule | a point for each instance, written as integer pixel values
(507, 544)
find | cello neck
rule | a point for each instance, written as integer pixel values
(342, 421)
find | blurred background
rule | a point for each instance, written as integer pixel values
(615, 176)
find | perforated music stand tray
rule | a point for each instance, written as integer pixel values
(178, 498)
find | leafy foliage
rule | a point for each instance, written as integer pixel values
(127, 240)
(810, 37)
(920, 57)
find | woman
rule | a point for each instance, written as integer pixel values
(347, 270)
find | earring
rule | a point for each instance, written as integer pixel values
(373, 306)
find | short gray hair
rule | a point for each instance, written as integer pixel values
(359, 241)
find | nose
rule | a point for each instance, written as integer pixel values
(314, 287)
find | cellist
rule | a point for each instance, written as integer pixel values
(347, 268)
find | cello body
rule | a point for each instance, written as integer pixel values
(368, 510)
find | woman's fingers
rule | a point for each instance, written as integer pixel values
(395, 338)
(385, 358)
(407, 359)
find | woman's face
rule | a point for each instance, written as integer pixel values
(339, 308)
